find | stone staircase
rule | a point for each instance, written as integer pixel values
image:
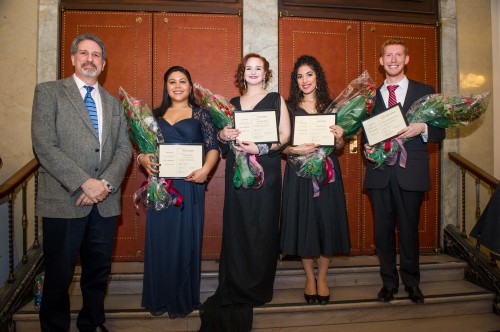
(354, 283)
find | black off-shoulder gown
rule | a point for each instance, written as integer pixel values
(250, 241)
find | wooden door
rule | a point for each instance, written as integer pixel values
(141, 47)
(127, 37)
(422, 43)
(209, 46)
(345, 49)
(336, 45)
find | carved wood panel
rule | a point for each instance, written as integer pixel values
(209, 45)
(127, 37)
(141, 47)
(345, 48)
(422, 43)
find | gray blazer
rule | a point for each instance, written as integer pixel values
(67, 148)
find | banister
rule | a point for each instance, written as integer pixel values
(474, 170)
(18, 178)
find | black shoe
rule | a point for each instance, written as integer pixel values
(157, 313)
(386, 294)
(310, 299)
(415, 294)
(323, 299)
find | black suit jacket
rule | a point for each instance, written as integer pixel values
(416, 175)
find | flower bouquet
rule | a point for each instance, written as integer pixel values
(144, 131)
(352, 106)
(437, 110)
(248, 172)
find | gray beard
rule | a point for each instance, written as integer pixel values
(90, 72)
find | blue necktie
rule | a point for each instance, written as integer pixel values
(90, 103)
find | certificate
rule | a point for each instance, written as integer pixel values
(257, 126)
(314, 128)
(177, 161)
(385, 125)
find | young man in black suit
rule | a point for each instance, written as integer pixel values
(397, 192)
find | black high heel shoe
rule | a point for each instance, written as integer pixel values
(311, 299)
(322, 299)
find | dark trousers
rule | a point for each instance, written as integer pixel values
(91, 237)
(390, 205)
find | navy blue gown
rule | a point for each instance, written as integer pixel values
(173, 236)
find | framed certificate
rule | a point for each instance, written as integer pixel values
(177, 161)
(257, 126)
(314, 128)
(385, 125)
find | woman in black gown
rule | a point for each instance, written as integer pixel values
(173, 236)
(313, 227)
(250, 237)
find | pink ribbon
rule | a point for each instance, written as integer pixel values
(174, 196)
(330, 177)
(402, 158)
(257, 169)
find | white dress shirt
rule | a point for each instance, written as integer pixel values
(400, 97)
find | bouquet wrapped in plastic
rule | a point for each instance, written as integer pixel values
(248, 172)
(352, 106)
(144, 131)
(437, 110)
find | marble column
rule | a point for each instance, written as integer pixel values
(449, 85)
(48, 41)
(260, 33)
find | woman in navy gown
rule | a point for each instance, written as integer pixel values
(251, 216)
(173, 236)
(313, 227)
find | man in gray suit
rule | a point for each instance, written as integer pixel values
(83, 162)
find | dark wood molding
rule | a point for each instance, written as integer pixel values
(402, 11)
(172, 6)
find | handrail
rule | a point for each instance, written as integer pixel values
(480, 176)
(473, 169)
(19, 284)
(9, 186)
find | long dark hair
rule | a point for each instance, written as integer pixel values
(322, 92)
(167, 102)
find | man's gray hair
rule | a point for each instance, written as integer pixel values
(87, 36)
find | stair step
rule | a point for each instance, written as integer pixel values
(126, 278)
(350, 304)
(354, 283)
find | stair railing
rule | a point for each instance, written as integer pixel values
(479, 270)
(481, 177)
(19, 284)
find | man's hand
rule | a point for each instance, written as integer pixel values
(412, 130)
(94, 190)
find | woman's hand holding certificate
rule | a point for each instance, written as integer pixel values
(314, 129)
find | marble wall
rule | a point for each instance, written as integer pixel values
(18, 30)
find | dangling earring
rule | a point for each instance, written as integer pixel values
(263, 83)
(317, 88)
(244, 85)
